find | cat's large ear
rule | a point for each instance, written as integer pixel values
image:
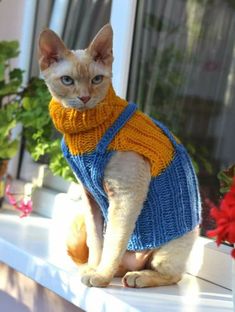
(101, 47)
(51, 49)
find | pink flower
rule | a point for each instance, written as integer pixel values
(25, 206)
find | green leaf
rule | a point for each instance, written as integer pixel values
(191, 149)
(224, 190)
(16, 76)
(5, 129)
(12, 108)
(9, 149)
(224, 177)
(60, 167)
(9, 88)
(26, 103)
(207, 165)
(2, 71)
(8, 50)
(16, 73)
(195, 165)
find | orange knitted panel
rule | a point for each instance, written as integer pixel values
(142, 136)
(83, 130)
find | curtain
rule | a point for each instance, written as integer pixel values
(182, 72)
(42, 20)
(84, 20)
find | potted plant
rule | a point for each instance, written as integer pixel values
(10, 96)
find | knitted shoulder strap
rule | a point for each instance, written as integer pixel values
(166, 131)
(122, 119)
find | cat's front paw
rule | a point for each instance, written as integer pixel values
(94, 279)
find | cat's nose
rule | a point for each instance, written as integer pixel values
(84, 99)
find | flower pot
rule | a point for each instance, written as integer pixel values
(3, 171)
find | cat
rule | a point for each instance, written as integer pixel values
(140, 193)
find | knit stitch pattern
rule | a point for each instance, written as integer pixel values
(83, 130)
(172, 207)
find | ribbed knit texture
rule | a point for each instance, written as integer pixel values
(172, 207)
(83, 130)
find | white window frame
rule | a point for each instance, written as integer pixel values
(122, 21)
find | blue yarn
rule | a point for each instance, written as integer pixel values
(172, 208)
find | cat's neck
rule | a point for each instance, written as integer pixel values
(71, 121)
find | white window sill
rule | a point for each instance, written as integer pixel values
(34, 246)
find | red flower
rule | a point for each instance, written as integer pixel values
(225, 219)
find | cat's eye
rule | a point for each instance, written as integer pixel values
(97, 79)
(67, 80)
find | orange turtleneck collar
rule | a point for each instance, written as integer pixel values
(71, 121)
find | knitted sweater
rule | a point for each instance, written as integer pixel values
(91, 138)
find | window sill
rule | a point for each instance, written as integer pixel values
(33, 247)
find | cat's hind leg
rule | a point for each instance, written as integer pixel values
(166, 266)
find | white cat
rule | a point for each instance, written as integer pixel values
(140, 191)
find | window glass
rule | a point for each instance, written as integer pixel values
(183, 73)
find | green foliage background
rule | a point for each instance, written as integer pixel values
(10, 88)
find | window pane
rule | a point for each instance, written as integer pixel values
(183, 73)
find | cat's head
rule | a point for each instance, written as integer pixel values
(78, 79)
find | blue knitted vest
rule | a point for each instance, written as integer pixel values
(172, 207)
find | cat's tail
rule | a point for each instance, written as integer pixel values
(76, 243)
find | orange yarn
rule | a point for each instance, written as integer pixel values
(83, 130)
